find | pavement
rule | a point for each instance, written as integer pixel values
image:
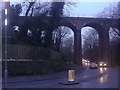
(21, 79)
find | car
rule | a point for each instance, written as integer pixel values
(83, 60)
(93, 65)
(102, 64)
(87, 61)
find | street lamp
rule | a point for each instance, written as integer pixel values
(6, 23)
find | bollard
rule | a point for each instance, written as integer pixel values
(71, 75)
(71, 78)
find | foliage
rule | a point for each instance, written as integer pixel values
(63, 42)
(111, 12)
(114, 33)
(36, 8)
(44, 61)
(90, 44)
(40, 9)
(29, 7)
(57, 9)
(14, 12)
(115, 52)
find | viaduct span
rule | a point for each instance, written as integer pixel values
(101, 25)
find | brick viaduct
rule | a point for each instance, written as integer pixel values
(101, 25)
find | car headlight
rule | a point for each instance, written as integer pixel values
(100, 64)
(104, 64)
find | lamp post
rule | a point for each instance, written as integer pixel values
(6, 23)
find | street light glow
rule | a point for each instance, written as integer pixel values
(5, 11)
(5, 21)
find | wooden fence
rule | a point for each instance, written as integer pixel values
(26, 52)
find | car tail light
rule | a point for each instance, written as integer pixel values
(91, 65)
(105, 64)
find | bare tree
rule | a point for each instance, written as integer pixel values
(29, 7)
(90, 43)
(35, 8)
(114, 33)
(59, 35)
(90, 36)
(113, 11)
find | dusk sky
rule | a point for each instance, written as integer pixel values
(89, 9)
(85, 8)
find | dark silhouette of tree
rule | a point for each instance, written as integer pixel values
(90, 44)
(57, 9)
(113, 12)
(14, 12)
(29, 7)
(56, 13)
(58, 35)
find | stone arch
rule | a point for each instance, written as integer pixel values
(103, 40)
(114, 35)
(94, 25)
(70, 25)
(73, 28)
(90, 42)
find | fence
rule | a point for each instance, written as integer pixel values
(26, 52)
(43, 61)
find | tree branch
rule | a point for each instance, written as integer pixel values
(116, 31)
(30, 5)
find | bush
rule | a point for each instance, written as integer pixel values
(56, 61)
(49, 63)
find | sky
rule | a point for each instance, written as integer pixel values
(68, 0)
(83, 8)
(89, 9)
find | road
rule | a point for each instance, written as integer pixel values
(90, 78)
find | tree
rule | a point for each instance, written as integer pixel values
(90, 43)
(42, 9)
(57, 9)
(14, 12)
(53, 9)
(29, 7)
(114, 34)
(114, 46)
(63, 42)
(60, 35)
(111, 11)
(56, 12)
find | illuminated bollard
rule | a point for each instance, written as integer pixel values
(71, 78)
(71, 75)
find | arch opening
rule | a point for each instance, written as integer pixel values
(114, 37)
(103, 41)
(63, 42)
(90, 44)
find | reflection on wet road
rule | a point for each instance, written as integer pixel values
(102, 77)
(103, 69)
